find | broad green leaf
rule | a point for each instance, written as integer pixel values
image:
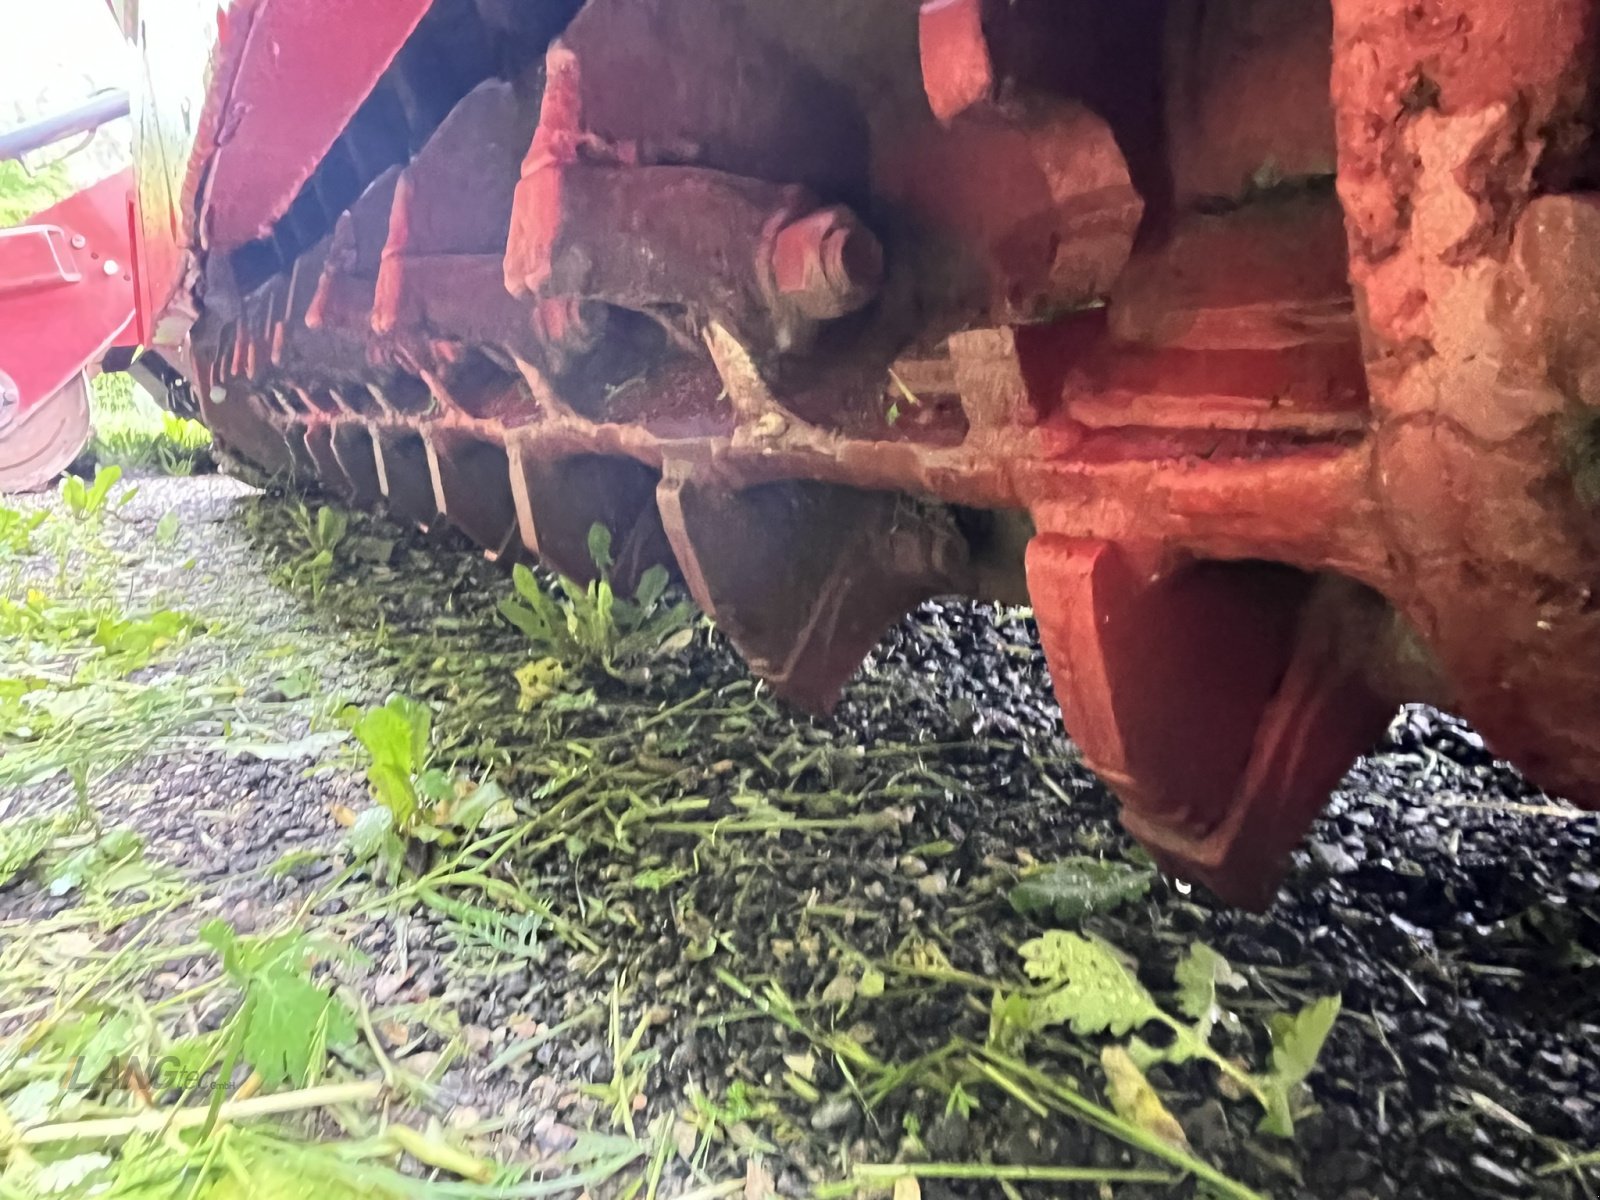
(92, 861)
(296, 684)
(526, 584)
(602, 623)
(367, 836)
(589, 625)
(31, 1103)
(420, 719)
(69, 1176)
(600, 546)
(189, 1056)
(289, 1021)
(386, 734)
(220, 936)
(128, 874)
(74, 495)
(1093, 991)
(626, 615)
(105, 478)
(1297, 1040)
(524, 618)
(1199, 974)
(435, 785)
(576, 593)
(102, 1041)
(485, 807)
(1076, 888)
(289, 1018)
(652, 585)
(331, 526)
(393, 789)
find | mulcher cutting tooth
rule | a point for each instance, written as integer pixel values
(330, 471)
(805, 578)
(405, 474)
(474, 482)
(441, 272)
(1221, 701)
(235, 416)
(560, 500)
(353, 448)
(343, 299)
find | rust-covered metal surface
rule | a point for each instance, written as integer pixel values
(1253, 342)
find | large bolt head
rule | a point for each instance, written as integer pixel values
(827, 264)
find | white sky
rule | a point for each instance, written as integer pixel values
(56, 52)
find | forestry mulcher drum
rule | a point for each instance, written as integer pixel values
(1254, 344)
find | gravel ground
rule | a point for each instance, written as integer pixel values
(1451, 905)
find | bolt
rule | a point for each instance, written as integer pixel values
(827, 264)
(111, 267)
(79, 241)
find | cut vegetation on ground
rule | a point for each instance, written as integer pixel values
(133, 433)
(336, 860)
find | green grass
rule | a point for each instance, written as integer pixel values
(24, 192)
(258, 1072)
(132, 432)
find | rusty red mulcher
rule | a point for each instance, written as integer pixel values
(1254, 343)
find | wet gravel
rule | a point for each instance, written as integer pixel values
(1451, 905)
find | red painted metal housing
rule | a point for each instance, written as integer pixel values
(293, 75)
(66, 288)
(66, 297)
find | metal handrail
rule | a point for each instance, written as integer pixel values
(98, 110)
